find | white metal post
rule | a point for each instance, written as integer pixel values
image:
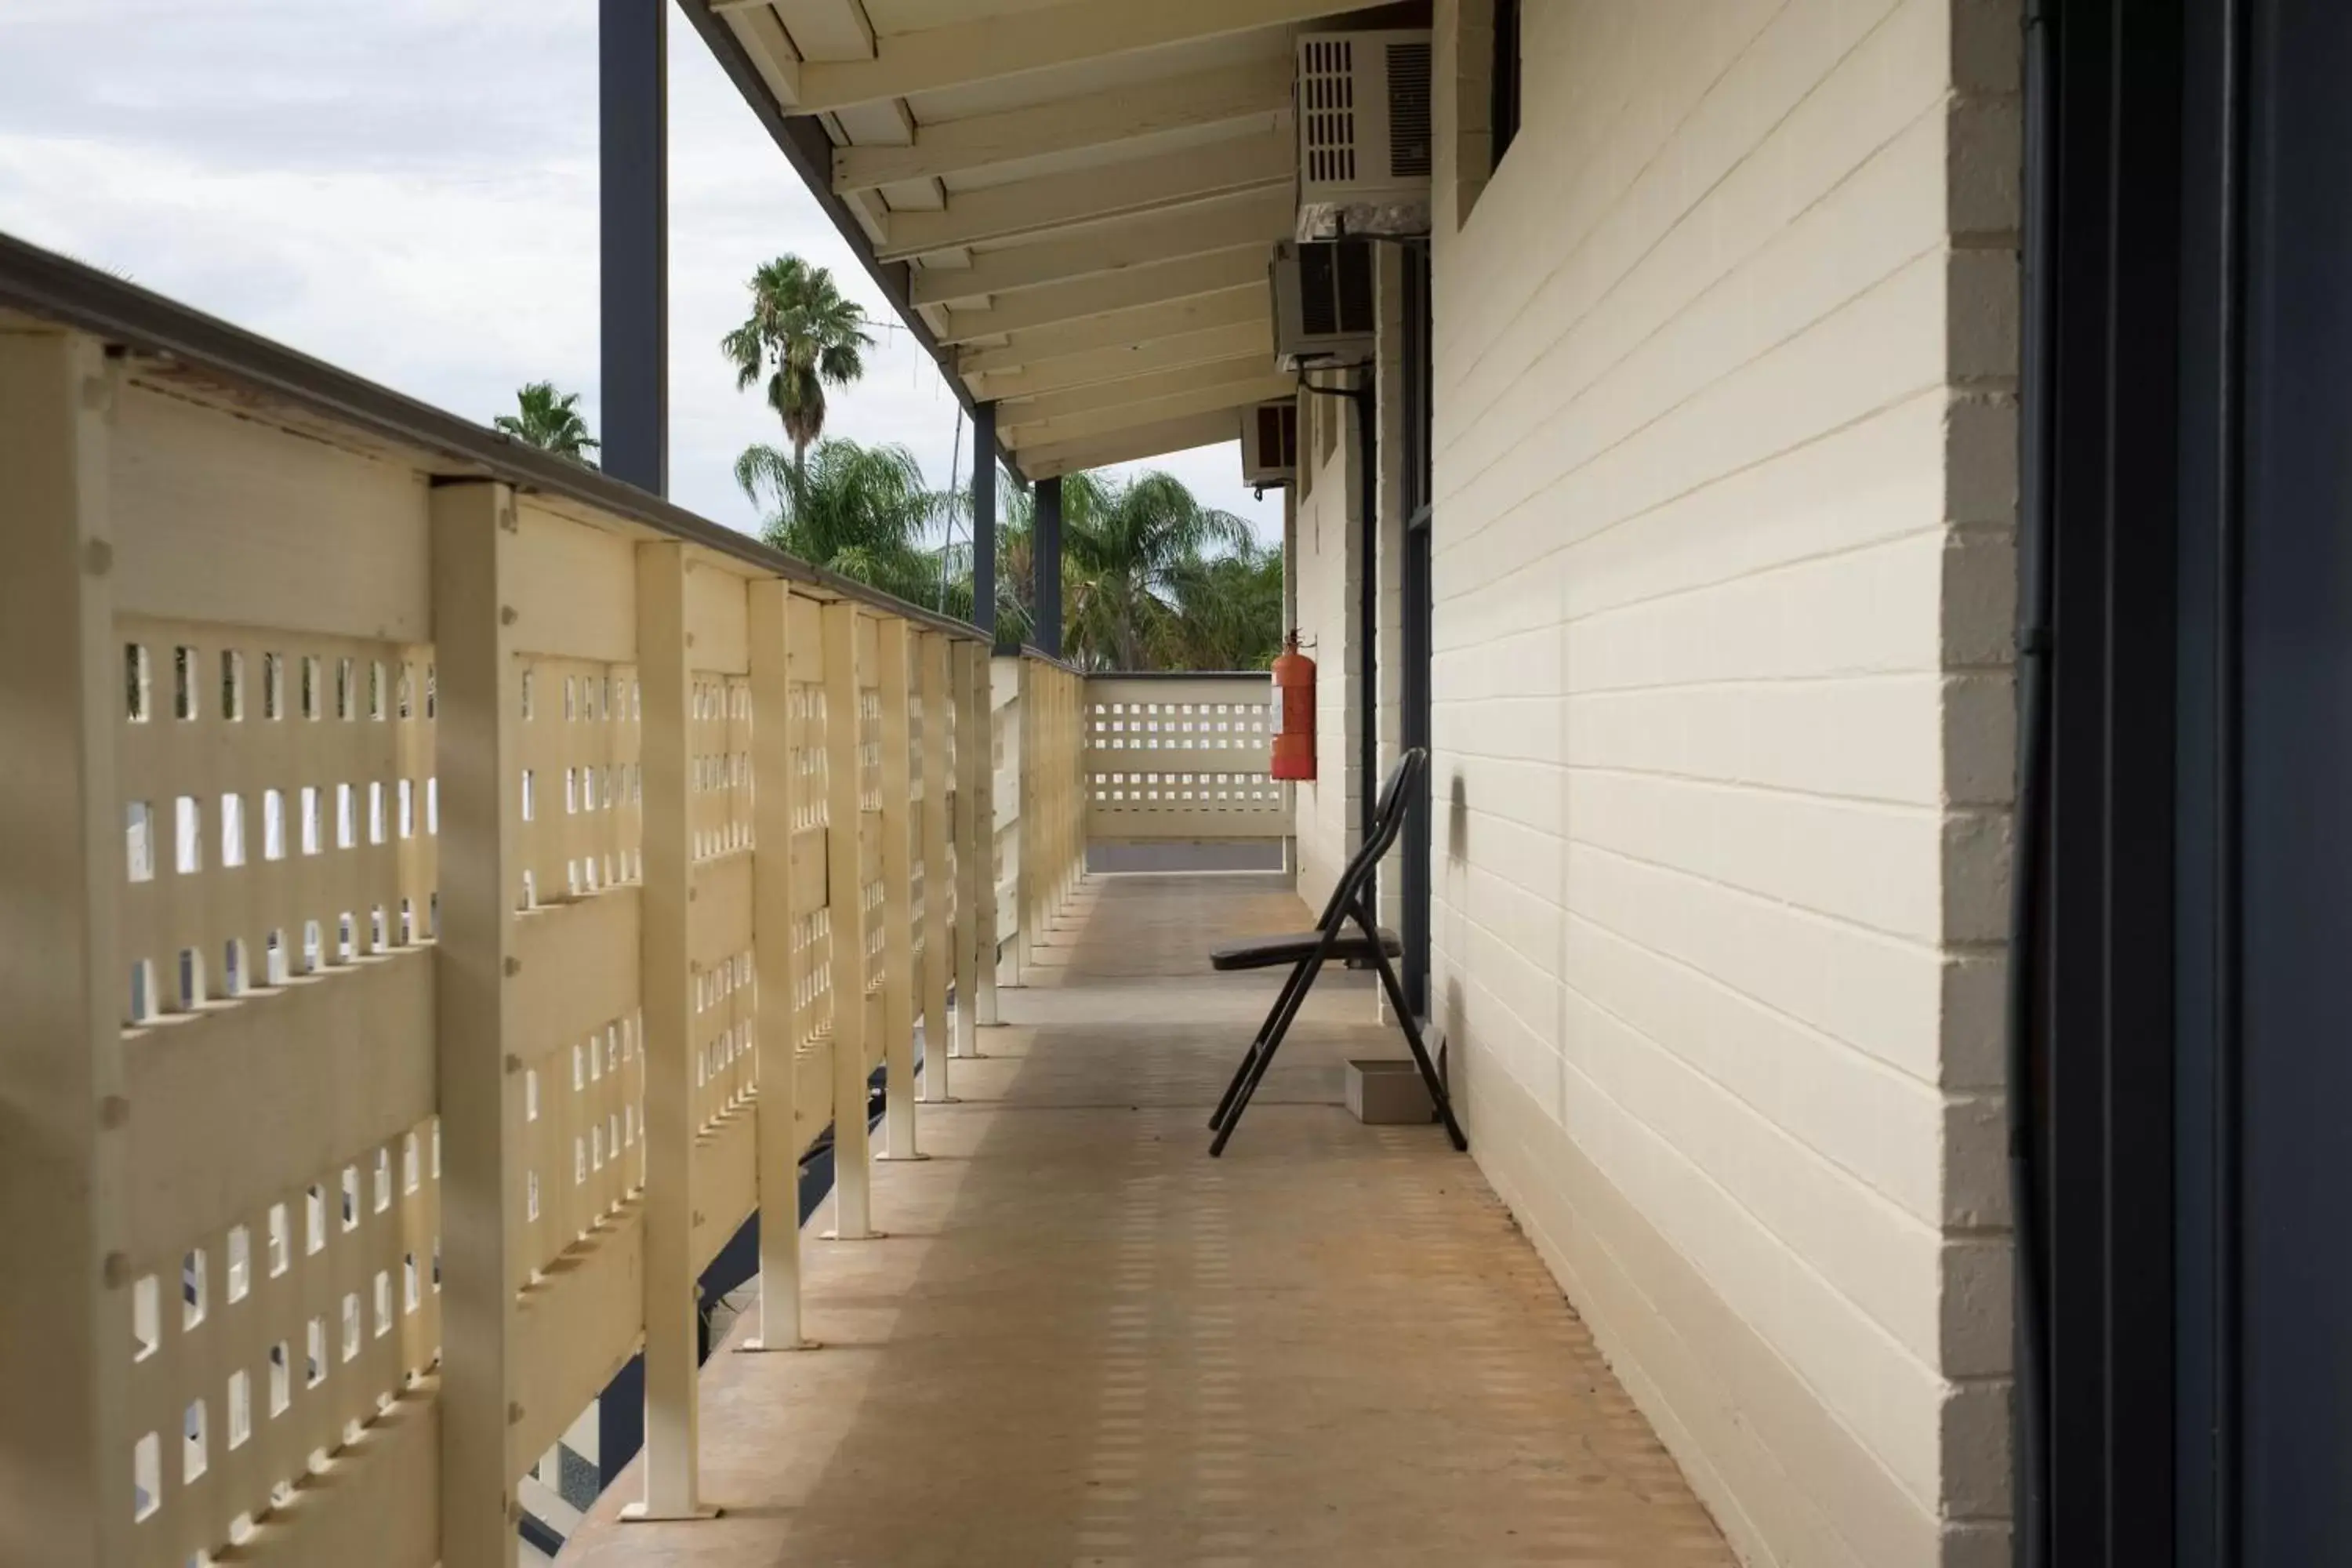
(991, 942)
(938, 881)
(776, 804)
(477, 750)
(896, 820)
(1027, 879)
(665, 673)
(853, 1173)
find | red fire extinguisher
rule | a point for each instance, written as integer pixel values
(1293, 712)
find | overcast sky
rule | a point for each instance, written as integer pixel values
(408, 190)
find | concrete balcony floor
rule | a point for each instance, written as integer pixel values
(1085, 1342)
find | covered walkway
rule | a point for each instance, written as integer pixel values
(1084, 1342)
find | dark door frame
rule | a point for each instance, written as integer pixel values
(2103, 291)
(1416, 614)
(2188, 393)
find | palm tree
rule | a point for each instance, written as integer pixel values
(802, 333)
(551, 421)
(1228, 611)
(1125, 550)
(862, 511)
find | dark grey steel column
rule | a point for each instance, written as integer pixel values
(633, 160)
(1045, 555)
(983, 518)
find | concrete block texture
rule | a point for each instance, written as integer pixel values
(1726, 359)
(1330, 615)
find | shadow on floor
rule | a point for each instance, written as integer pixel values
(1087, 1343)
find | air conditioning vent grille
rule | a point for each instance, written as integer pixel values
(1326, 109)
(1409, 120)
(1367, 146)
(1354, 269)
(1323, 302)
(1318, 302)
(1270, 444)
(1277, 435)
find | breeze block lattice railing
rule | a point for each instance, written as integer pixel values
(433, 878)
(1182, 756)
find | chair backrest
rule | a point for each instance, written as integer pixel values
(1388, 820)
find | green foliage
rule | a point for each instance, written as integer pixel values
(804, 335)
(1150, 578)
(1228, 611)
(862, 511)
(551, 421)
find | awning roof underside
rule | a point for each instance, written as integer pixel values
(1087, 192)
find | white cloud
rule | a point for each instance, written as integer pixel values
(410, 191)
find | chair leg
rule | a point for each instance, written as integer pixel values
(1241, 1075)
(1412, 1028)
(1281, 1000)
(1264, 1058)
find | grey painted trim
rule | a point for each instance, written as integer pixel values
(1031, 651)
(1045, 565)
(806, 147)
(632, 202)
(1260, 675)
(130, 318)
(983, 518)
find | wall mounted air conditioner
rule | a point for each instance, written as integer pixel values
(1270, 443)
(1365, 145)
(1323, 310)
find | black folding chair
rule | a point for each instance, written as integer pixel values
(1307, 951)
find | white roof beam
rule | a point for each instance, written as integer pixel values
(771, 51)
(1047, 460)
(1051, 405)
(1131, 359)
(821, 30)
(1233, 308)
(1093, 120)
(1110, 417)
(1168, 282)
(1260, 217)
(1085, 195)
(990, 47)
(1105, 423)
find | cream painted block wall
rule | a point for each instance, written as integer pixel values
(1725, 484)
(1328, 565)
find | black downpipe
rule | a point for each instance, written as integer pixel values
(2027, 866)
(2229, 957)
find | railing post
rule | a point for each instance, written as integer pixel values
(983, 678)
(974, 837)
(892, 678)
(939, 883)
(1026, 882)
(853, 1173)
(65, 1294)
(665, 980)
(477, 706)
(1071, 825)
(776, 799)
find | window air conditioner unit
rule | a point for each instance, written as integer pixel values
(1364, 142)
(1323, 312)
(1270, 443)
